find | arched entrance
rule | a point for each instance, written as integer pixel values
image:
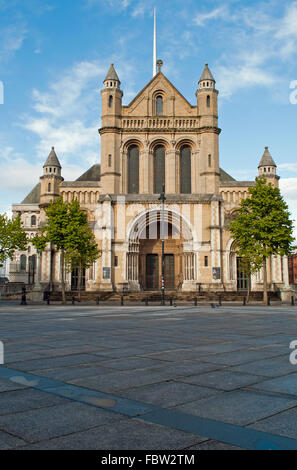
(144, 260)
(238, 270)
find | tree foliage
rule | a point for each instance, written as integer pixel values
(67, 228)
(12, 237)
(262, 227)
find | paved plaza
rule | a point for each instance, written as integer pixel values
(148, 377)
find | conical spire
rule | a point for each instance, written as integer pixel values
(206, 75)
(52, 159)
(112, 75)
(266, 159)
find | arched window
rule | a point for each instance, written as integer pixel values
(110, 99)
(23, 262)
(159, 168)
(133, 170)
(49, 187)
(109, 160)
(185, 169)
(159, 105)
(33, 220)
(209, 160)
(208, 101)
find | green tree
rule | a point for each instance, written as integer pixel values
(82, 249)
(250, 264)
(67, 228)
(12, 237)
(262, 227)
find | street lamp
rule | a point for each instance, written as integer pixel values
(162, 198)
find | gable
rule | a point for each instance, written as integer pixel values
(174, 102)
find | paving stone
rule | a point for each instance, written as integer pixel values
(213, 445)
(131, 363)
(123, 380)
(20, 400)
(268, 367)
(282, 424)
(7, 386)
(126, 434)
(46, 423)
(168, 394)
(223, 379)
(60, 361)
(73, 372)
(9, 442)
(238, 407)
(286, 384)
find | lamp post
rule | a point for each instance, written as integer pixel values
(162, 198)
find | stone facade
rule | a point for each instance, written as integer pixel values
(159, 138)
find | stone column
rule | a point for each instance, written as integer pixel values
(170, 171)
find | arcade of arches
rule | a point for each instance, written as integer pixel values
(159, 156)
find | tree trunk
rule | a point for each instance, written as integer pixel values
(265, 296)
(63, 277)
(79, 280)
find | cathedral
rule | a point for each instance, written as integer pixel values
(158, 143)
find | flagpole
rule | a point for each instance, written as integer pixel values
(155, 45)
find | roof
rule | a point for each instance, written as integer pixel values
(206, 74)
(111, 74)
(33, 197)
(155, 78)
(266, 159)
(92, 174)
(52, 159)
(225, 176)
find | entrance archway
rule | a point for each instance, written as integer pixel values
(144, 260)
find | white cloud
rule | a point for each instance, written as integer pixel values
(201, 18)
(66, 115)
(292, 167)
(11, 40)
(288, 24)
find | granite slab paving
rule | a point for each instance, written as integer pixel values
(239, 407)
(126, 434)
(229, 364)
(45, 423)
(223, 380)
(167, 394)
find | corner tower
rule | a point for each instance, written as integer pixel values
(111, 98)
(207, 103)
(50, 180)
(267, 168)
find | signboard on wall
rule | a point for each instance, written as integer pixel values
(106, 273)
(216, 273)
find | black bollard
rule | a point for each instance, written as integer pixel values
(122, 300)
(97, 300)
(195, 301)
(268, 303)
(48, 299)
(171, 301)
(292, 300)
(73, 300)
(220, 300)
(244, 300)
(24, 297)
(146, 301)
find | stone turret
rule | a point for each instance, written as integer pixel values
(207, 103)
(110, 132)
(267, 168)
(51, 179)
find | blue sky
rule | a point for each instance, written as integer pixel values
(54, 55)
